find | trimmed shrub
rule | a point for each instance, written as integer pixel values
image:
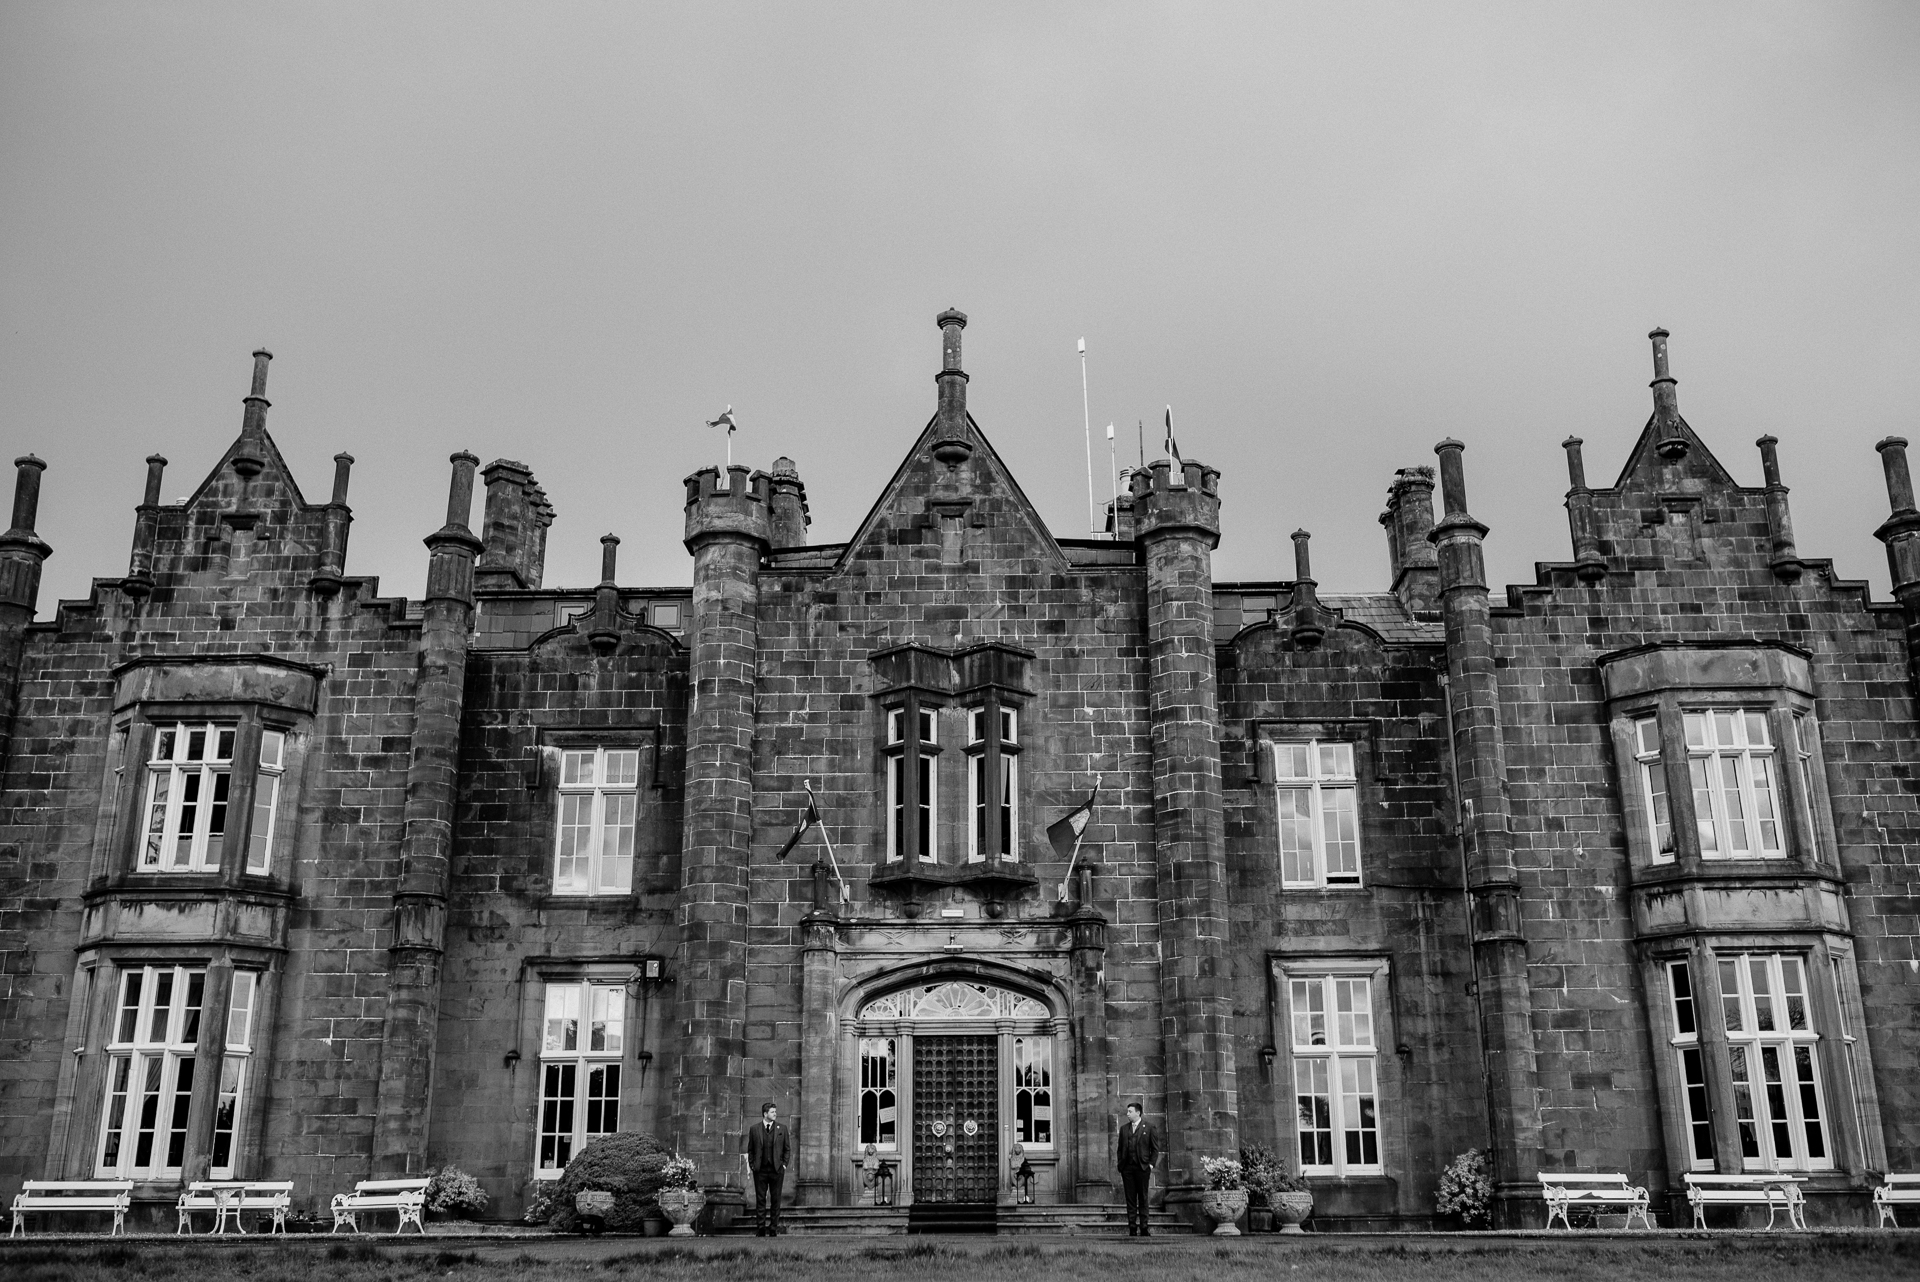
(628, 1165)
(453, 1191)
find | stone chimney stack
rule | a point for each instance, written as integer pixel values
(952, 380)
(146, 518)
(1668, 440)
(1408, 520)
(331, 575)
(789, 511)
(515, 528)
(1587, 562)
(1785, 561)
(22, 553)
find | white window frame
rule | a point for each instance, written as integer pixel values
(164, 802)
(1652, 769)
(1763, 1116)
(582, 1031)
(270, 765)
(1034, 1084)
(977, 760)
(235, 1062)
(150, 1060)
(1342, 1067)
(881, 1085)
(594, 782)
(1690, 1056)
(1322, 782)
(1725, 743)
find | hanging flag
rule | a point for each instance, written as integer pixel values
(807, 820)
(1173, 446)
(1065, 832)
(725, 420)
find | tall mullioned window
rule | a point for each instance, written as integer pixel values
(143, 1132)
(1693, 1065)
(1316, 792)
(266, 800)
(912, 783)
(879, 1093)
(1336, 1094)
(1779, 1104)
(599, 801)
(993, 779)
(580, 1052)
(189, 777)
(234, 1063)
(1730, 765)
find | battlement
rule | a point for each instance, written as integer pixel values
(1165, 501)
(743, 506)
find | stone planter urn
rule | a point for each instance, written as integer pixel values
(593, 1208)
(680, 1206)
(1224, 1206)
(1290, 1210)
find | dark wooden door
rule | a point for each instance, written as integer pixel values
(956, 1118)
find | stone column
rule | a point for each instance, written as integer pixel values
(404, 1102)
(1094, 1120)
(819, 1048)
(727, 532)
(1901, 533)
(22, 553)
(1179, 525)
(1499, 944)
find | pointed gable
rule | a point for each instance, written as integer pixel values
(953, 510)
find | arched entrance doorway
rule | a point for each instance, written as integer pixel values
(948, 1075)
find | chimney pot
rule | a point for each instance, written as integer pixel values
(26, 493)
(609, 546)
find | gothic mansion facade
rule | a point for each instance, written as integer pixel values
(1617, 871)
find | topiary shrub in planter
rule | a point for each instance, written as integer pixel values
(627, 1165)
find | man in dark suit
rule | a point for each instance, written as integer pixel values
(1138, 1150)
(766, 1158)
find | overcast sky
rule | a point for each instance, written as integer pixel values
(1329, 235)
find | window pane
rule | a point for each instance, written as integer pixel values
(130, 990)
(576, 769)
(571, 873)
(603, 1100)
(1793, 984)
(623, 768)
(1703, 805)
(563, 1018)
(1726, 729)
(1771, 1068)
(893, 727)
(1313, 1112)
(189, 818)
(976, 731)
(924, 839)
(1683, 1019)
(1336, 761)
(1757, 733)
(159, 793)
(1654, 775)
(1007, 780)
(1693, 1072)
(196, 745)
(272, 745)
(616, 842)
(1296, 836)
(162, 1014)
(240, 1011)
(609, 1019)
(1809, 1101)
(1309, 1013)
(1730, 990)
(1765, 815)
(926, 725)
(163, 743)
(177, 1114)
(190, 1014)
(1696, 728)
(1342, 834)
(1730, 798)
(1354, 1018)
(1290, 760)
(1647, 735)
(266, 796)
(1762, 976)
(1743, 1103)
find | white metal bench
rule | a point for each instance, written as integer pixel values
(407, 1197)
(1899, 1190)
(1775, 1192)
(54, 1196)
(1564, 1188)
(230, 1197)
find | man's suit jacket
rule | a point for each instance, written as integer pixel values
(767, 1147)
(1139, 1147)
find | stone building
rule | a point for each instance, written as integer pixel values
(1613, 872)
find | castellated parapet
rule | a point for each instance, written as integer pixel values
(742, 508)
(1188, 503)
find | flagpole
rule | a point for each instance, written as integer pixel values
(1086, 423)
(846, 895)
(1113, 461)
(1078, 837)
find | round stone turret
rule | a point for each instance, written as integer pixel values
(1164, 503)
(742, 508)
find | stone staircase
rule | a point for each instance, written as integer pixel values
(1091, 1219)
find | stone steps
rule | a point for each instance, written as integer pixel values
(1093, 1219)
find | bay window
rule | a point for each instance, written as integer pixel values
(189, 778)
(1779, 1111)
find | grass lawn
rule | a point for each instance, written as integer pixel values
(1857, 1257)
